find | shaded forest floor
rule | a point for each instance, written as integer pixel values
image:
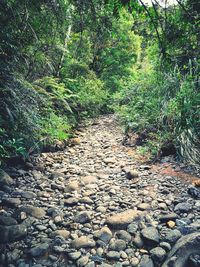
(98, 203)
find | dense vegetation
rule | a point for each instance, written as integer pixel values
(63, 61)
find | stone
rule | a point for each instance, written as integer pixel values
(113, 255)
(64, 233)
(12, 233)
(7, 220)
(171, 224)
(5, 179)
(83, 242)
(143, 206)
(117, 245)
(165, 245)
(180, 254)
(157, 254)
(124, 235)
(11, 202)
(183, 207)
(83, 217)
(168, 217)
(134, 262)
(150, 236)
(82, 261)
(146, 261)
(172, 236)
(123, 219)
(72, 186)
(86, 200)
(103, 234)
(194, 192)
(71, 201)
(89, 179)
(35, 212)
(194, 260)
(28, 195)
(131, 174)
(137, 241)
(132, 228)
(74, 255)
(39, 250)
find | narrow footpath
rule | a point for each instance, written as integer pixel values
(95, 204)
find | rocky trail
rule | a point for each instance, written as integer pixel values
(95, 204)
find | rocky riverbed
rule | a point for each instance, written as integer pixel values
(94, 204)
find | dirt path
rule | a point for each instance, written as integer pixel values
(94, 204)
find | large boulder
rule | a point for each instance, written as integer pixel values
(123, 219)
(12, 233)
(5, 179)
(180, 254)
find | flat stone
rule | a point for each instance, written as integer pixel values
(83, 242)
(143, 206)
(36, 212)
(113, 255)
(123, 219)
(64, 233)
(168, 217)
(74, 255)
(28, 195)
(71, 201)
(89, 179)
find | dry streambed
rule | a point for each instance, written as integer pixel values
(92, 205)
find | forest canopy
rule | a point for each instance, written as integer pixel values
(64, 61)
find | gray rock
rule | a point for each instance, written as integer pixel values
(172, 236)
(83, 242)
(103, 234)
(36, 212)
(74, 255)
(82, 261)
(146, 261)
(7, 220)
(39, 250)
(113, 255)
(11, 202)
(124, 235)
(182, 250)
(5, 179)
(83, 217)
(28, 195)
(12, 233)
(158, 254)
(150, 236)
(118, 245)
(168, 217)
(132, 228)
(183, 207)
